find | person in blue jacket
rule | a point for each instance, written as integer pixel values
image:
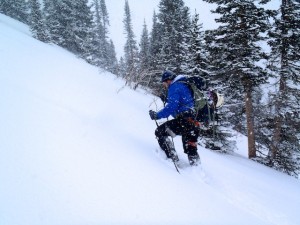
(180, 105)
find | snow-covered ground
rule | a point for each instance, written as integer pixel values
(78, 148)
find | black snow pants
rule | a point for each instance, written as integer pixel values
(186, 127)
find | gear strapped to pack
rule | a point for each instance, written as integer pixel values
(205, 102)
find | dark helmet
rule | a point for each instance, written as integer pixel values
(167, 75)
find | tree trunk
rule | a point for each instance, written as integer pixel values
(276, 139)
(250, 124)
(279, 102)
(247, 83)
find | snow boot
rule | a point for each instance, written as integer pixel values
(194, 159)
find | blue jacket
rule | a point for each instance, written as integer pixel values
(179, 100)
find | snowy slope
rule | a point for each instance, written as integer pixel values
(78, 148)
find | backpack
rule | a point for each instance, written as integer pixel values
(205, 101)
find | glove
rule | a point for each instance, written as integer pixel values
(153, 115)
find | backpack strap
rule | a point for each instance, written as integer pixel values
(198, 97)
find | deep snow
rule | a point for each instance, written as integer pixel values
(77, 147)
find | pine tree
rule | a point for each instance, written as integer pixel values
(144, 69)
(284, 119)
(234, 46)
(130, 49)
(144, 54)
(122, 68)
(48, 13)
(102, 44)
(174, 26)
(98, 42)
(105, 17)
(106, 43)
(70, 25)
(57, 13)
(144, 57)
(17, 9)
(81, 28)
(197, 55)
(112, 59)
(36, 21)
(155, 43)
(154, 70)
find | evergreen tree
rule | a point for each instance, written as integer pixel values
(106, 47)
(17, 9)
(81, 28)
(98, 41)
(112, 59)
(197, 55)
(174, 25)
(57, 13)
(70, 25)
(284, 117)
(144, 54)
(122, 68)
(184, 37)
(130, 49)
(37, 25)
(144, 58)
(101, 34)
(155, 43)
(105, 17)
(234, 47)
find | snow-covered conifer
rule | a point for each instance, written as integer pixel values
(112, 58)
(37, 22)
(17, 9)
(144, 54)
(236, 52)
(174, 20)
(70, 25)
(130, 48)
(284, 118)
(197, 56)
